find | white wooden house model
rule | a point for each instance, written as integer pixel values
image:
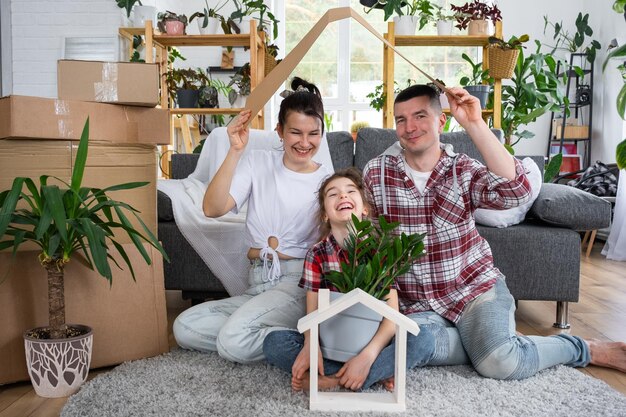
(357, 401)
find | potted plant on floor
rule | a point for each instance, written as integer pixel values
(67, 222)
(475, 15)
(479, 83)
(375, 259)
(171, 23)
(210, 19)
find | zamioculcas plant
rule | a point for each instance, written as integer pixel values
(70, 221)
(375, 257)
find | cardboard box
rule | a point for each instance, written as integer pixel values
(572, 131)
(45, 118)
(129, 83)
(107, 164)
(128, 318)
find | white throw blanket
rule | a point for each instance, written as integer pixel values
(220, 242)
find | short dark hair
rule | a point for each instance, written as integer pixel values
(420, 90)
(307, 100)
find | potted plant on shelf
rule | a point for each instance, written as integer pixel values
(241, 79)
(375, 259)
(248, 9)
(171, 23)
(573, 43)
(479, 83)
(67, 222)
(271, 53)
(210, 19)
(183, 86)
(475, 15)
(209, 90)
(503, 55)
(443, 20)
(409, 14)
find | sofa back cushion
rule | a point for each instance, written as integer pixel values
(371, 142)
(341, 146)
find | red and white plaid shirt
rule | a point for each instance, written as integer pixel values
(323, 257)
(458, 265)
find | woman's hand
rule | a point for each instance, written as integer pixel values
(238, 131)
(466, 109)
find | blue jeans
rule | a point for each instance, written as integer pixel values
(281, 348)
(485, 337)
(235, 327)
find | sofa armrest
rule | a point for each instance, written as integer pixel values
(566, 206)
(164, 207)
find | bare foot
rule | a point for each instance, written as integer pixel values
(389, 383)
(608, 354)
(323, 382)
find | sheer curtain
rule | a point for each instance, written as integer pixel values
(615, 247)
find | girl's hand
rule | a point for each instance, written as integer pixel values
(303, 362)
(466, 109)
(354, 372)
(238, 131)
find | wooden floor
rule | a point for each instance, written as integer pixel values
(599, 314)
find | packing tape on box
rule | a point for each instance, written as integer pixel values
(64, 122)
(106, 90)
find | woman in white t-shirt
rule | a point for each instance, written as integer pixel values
(279, 187)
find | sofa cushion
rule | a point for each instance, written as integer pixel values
(515, 215)
(565, 206)
(164, 207)
(341, 147)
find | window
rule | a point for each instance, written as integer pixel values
(346, 61)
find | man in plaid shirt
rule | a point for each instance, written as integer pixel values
(455, 289)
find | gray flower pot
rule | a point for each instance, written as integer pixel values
(481, 92)
(347, 333)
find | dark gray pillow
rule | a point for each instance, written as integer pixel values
(164, 207)
(570, 207)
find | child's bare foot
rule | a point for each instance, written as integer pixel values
(389, 384)
(323, 382)
(608, 354)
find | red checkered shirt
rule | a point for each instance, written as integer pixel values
(458, 265)
(323, 257)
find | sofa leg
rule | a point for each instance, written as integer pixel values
(562, 315)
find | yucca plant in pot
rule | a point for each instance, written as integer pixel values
(66, 222)
(376, 257)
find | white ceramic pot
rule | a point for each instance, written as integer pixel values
(444, 27)
(244, 24)
(405, 25)
(58, 367)
(347, 333)
(211, 28)
(143, 13)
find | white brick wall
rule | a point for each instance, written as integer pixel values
(38, 32)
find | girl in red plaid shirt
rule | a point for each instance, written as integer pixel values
(340, 196)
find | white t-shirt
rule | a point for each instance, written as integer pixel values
(419, 178)
(281, 202)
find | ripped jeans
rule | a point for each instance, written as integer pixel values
(235, 327)
(485, 337)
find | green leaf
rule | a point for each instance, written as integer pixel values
(621, 101)
(97, 247)
(615, 53)
(620, 154)
(81, 159)
(9, 204)
(553, 167)
(54, 203)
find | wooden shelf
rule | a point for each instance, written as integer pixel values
(435, 40)
(219, 110)
(204, 40)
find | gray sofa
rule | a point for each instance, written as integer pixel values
(540, 257)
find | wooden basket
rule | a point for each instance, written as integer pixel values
(270, 63)
(502, 62)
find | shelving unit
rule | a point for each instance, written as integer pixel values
(435, 40)
(157, 46)
(579, 106)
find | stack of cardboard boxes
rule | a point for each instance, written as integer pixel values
(40, 136)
